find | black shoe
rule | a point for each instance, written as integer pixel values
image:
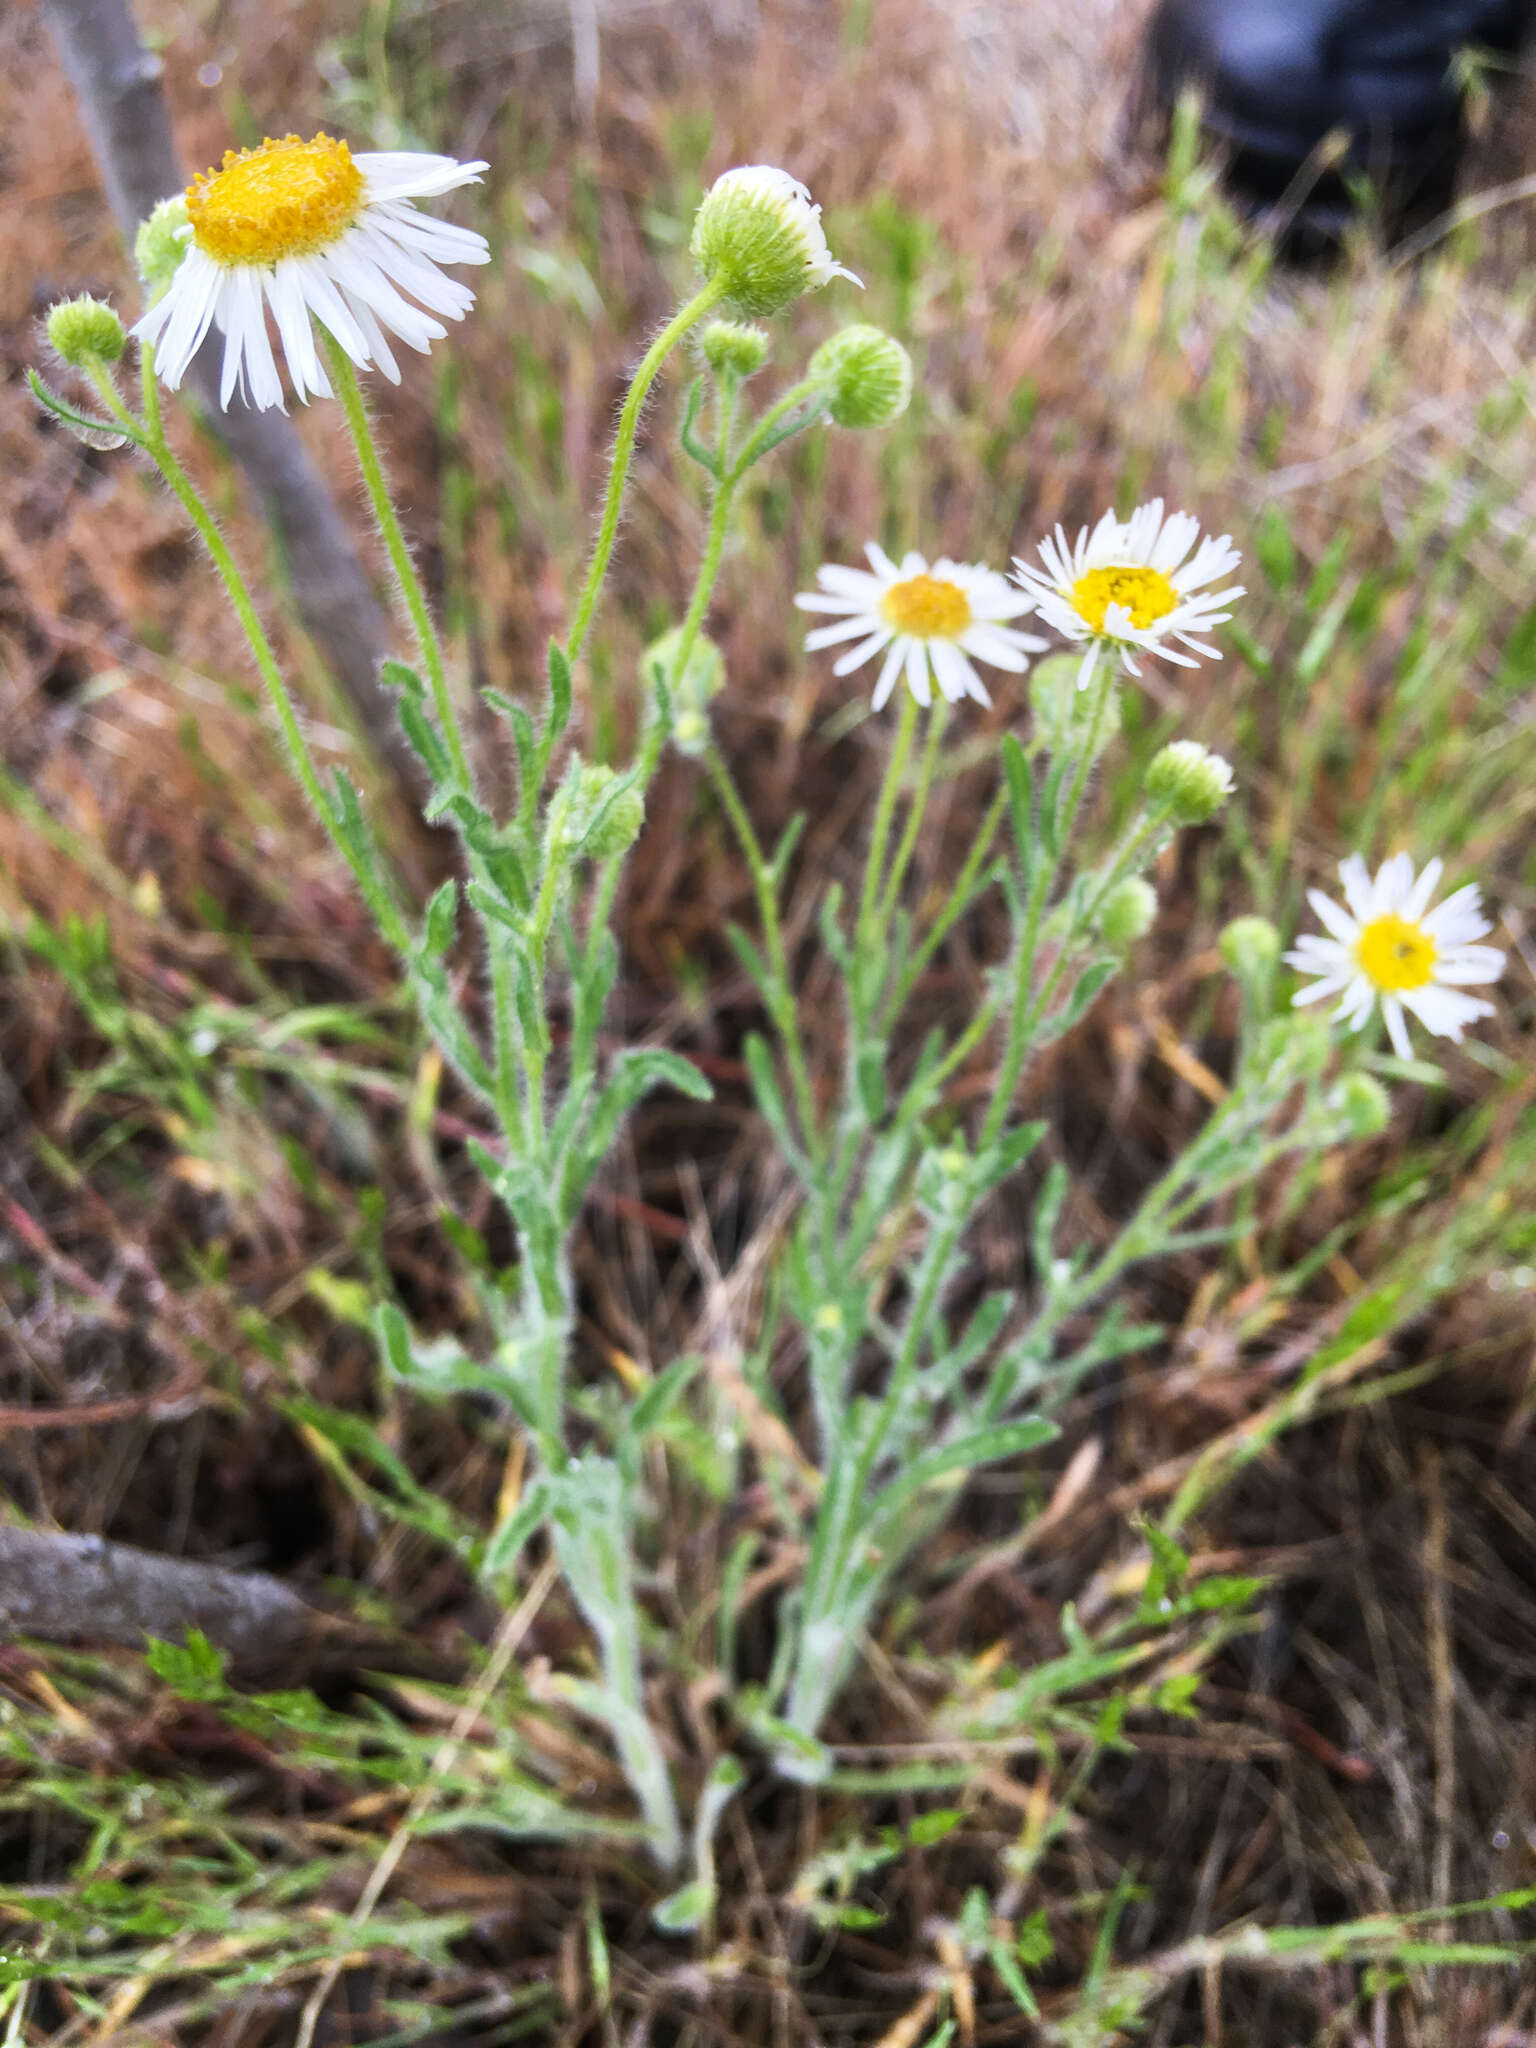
(1278, 76)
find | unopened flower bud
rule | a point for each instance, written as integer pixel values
(702, 679)
(1188, 781)
(732, 349)
(160, 246)
(604, 822)
(85, 331)
(758, 235)
(1364, 1105)
(1250, 946)
(1128, 912)
(868, 376)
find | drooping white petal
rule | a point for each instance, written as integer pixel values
(379, 350)
(290, 310)
(332, 310)
(443, 240)
(364, 284)
(183, 316)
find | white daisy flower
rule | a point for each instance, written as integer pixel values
(924, 620)
(1135, 584)
(311, 232)
(1389, 945)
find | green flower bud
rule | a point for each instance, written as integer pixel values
(868, 376)
(701, 680)
(603, 821)
(1250, 946)
(84, 331)
(1128, 912)
(160, 246)
(733, 349)
(1364, 1105)
(1188, 781)
(690, 732)
(757, 234)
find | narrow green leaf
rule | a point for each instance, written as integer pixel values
(425, 738)
(559, 694)
(965, 1454)
(96, 433)
(441, 919)
(398, 675)
(1021, 800)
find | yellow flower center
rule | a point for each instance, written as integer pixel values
(927, 607)
(1395, 954)
(285, 199)
(1145, 593)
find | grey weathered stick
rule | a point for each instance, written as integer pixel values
(122, 104)
(82, 1589)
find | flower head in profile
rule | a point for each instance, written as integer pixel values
(307, 231)
(1389, 947)
(1135, 584)
(758, 234)
(930, 624)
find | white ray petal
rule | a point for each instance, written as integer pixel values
(890, 668)
(857, 656)
(845, 629)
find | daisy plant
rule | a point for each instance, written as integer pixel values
(333, 254)
(914, 1372)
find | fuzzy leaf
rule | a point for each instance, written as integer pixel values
(398, 675)
(85, 426)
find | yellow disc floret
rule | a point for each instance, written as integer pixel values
(1394, 954)
(287, 198)
(1145, 593)
(927, 607)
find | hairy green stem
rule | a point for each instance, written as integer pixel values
(1027, 1010)
(916, 811)
(955, 905)
(880, 831)
(348, 390)
(722, 497)
(623, 451)
(785, 1018)
(774, 425)
(150, 435)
